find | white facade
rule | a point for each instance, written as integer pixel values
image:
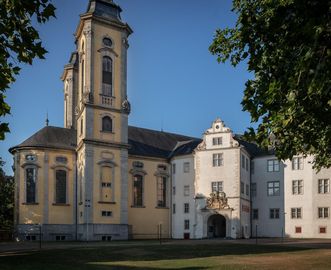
(267, 195)
(261, 195)
(218, 167)
(312, 197)
(183, 203)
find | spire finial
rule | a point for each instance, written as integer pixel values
(47, 121)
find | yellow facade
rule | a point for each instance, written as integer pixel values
(148, 220)
(45, 209)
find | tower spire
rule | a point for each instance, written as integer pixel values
(47, 121)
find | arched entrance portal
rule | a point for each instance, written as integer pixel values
(216, 226)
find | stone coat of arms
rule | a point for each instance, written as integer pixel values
(217, 200)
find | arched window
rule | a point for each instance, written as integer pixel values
(60, 186)
(162, 191)
(107, 124)
(83, 78)
(31, 179)
(137, 190)
(107, 76)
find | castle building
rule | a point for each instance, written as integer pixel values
(100, 179)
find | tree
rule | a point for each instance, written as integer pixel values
(7, 199)
(287, 46)
(19, 42)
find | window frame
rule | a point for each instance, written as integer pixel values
(323, 212)
(273, 165)
(186, 224)
(35, 168)
(164, 196)
(107, 127)
(297, 163)
(217, 186)
(218, 159)
(65, 170)
(297, 187)
(273, 188)
(323, 186)
(105, 91)
(296, 213)
(186, 208)
(134, 201)
(186, 167)
(274, 213)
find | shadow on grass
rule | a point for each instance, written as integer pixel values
(133, 257)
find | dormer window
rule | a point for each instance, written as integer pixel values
(107, 42)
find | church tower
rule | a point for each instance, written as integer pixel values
(96, 105)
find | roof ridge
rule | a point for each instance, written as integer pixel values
(165, 132)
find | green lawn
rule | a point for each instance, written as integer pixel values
(170, 256)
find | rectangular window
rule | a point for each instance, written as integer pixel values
(217, 186)
(186, 167)
(297, 187)
(298, 230)
(186, 224)
(274, 213)
(296, 213)
(186, 208)
(323, 186)
(273, 165)
(61, 186)
(106, 213)
(323, 212)
(247, 190)
(253, 190)
(217, 160)
(161, 191)
(243, 161)
(297, 163)
(173, 190)
(138, 190)
(30, 185)
(242, 188)
(273, 188)
(187, 190)
(174, 208)
(255, 214)
(247, 168)
(173, 168)
(322, 229)
(217, 141)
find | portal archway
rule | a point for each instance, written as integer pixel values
(216, 226)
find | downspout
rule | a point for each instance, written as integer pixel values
(76, 198)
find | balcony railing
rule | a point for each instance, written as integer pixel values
(107, 101)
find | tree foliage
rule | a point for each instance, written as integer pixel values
(19, 42)
(287, 45)
(6, 199)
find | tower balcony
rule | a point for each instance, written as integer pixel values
(107, 101)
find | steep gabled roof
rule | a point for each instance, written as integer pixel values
(147, 142)
(252, 148)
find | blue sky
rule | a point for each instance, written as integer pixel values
(174, 82)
